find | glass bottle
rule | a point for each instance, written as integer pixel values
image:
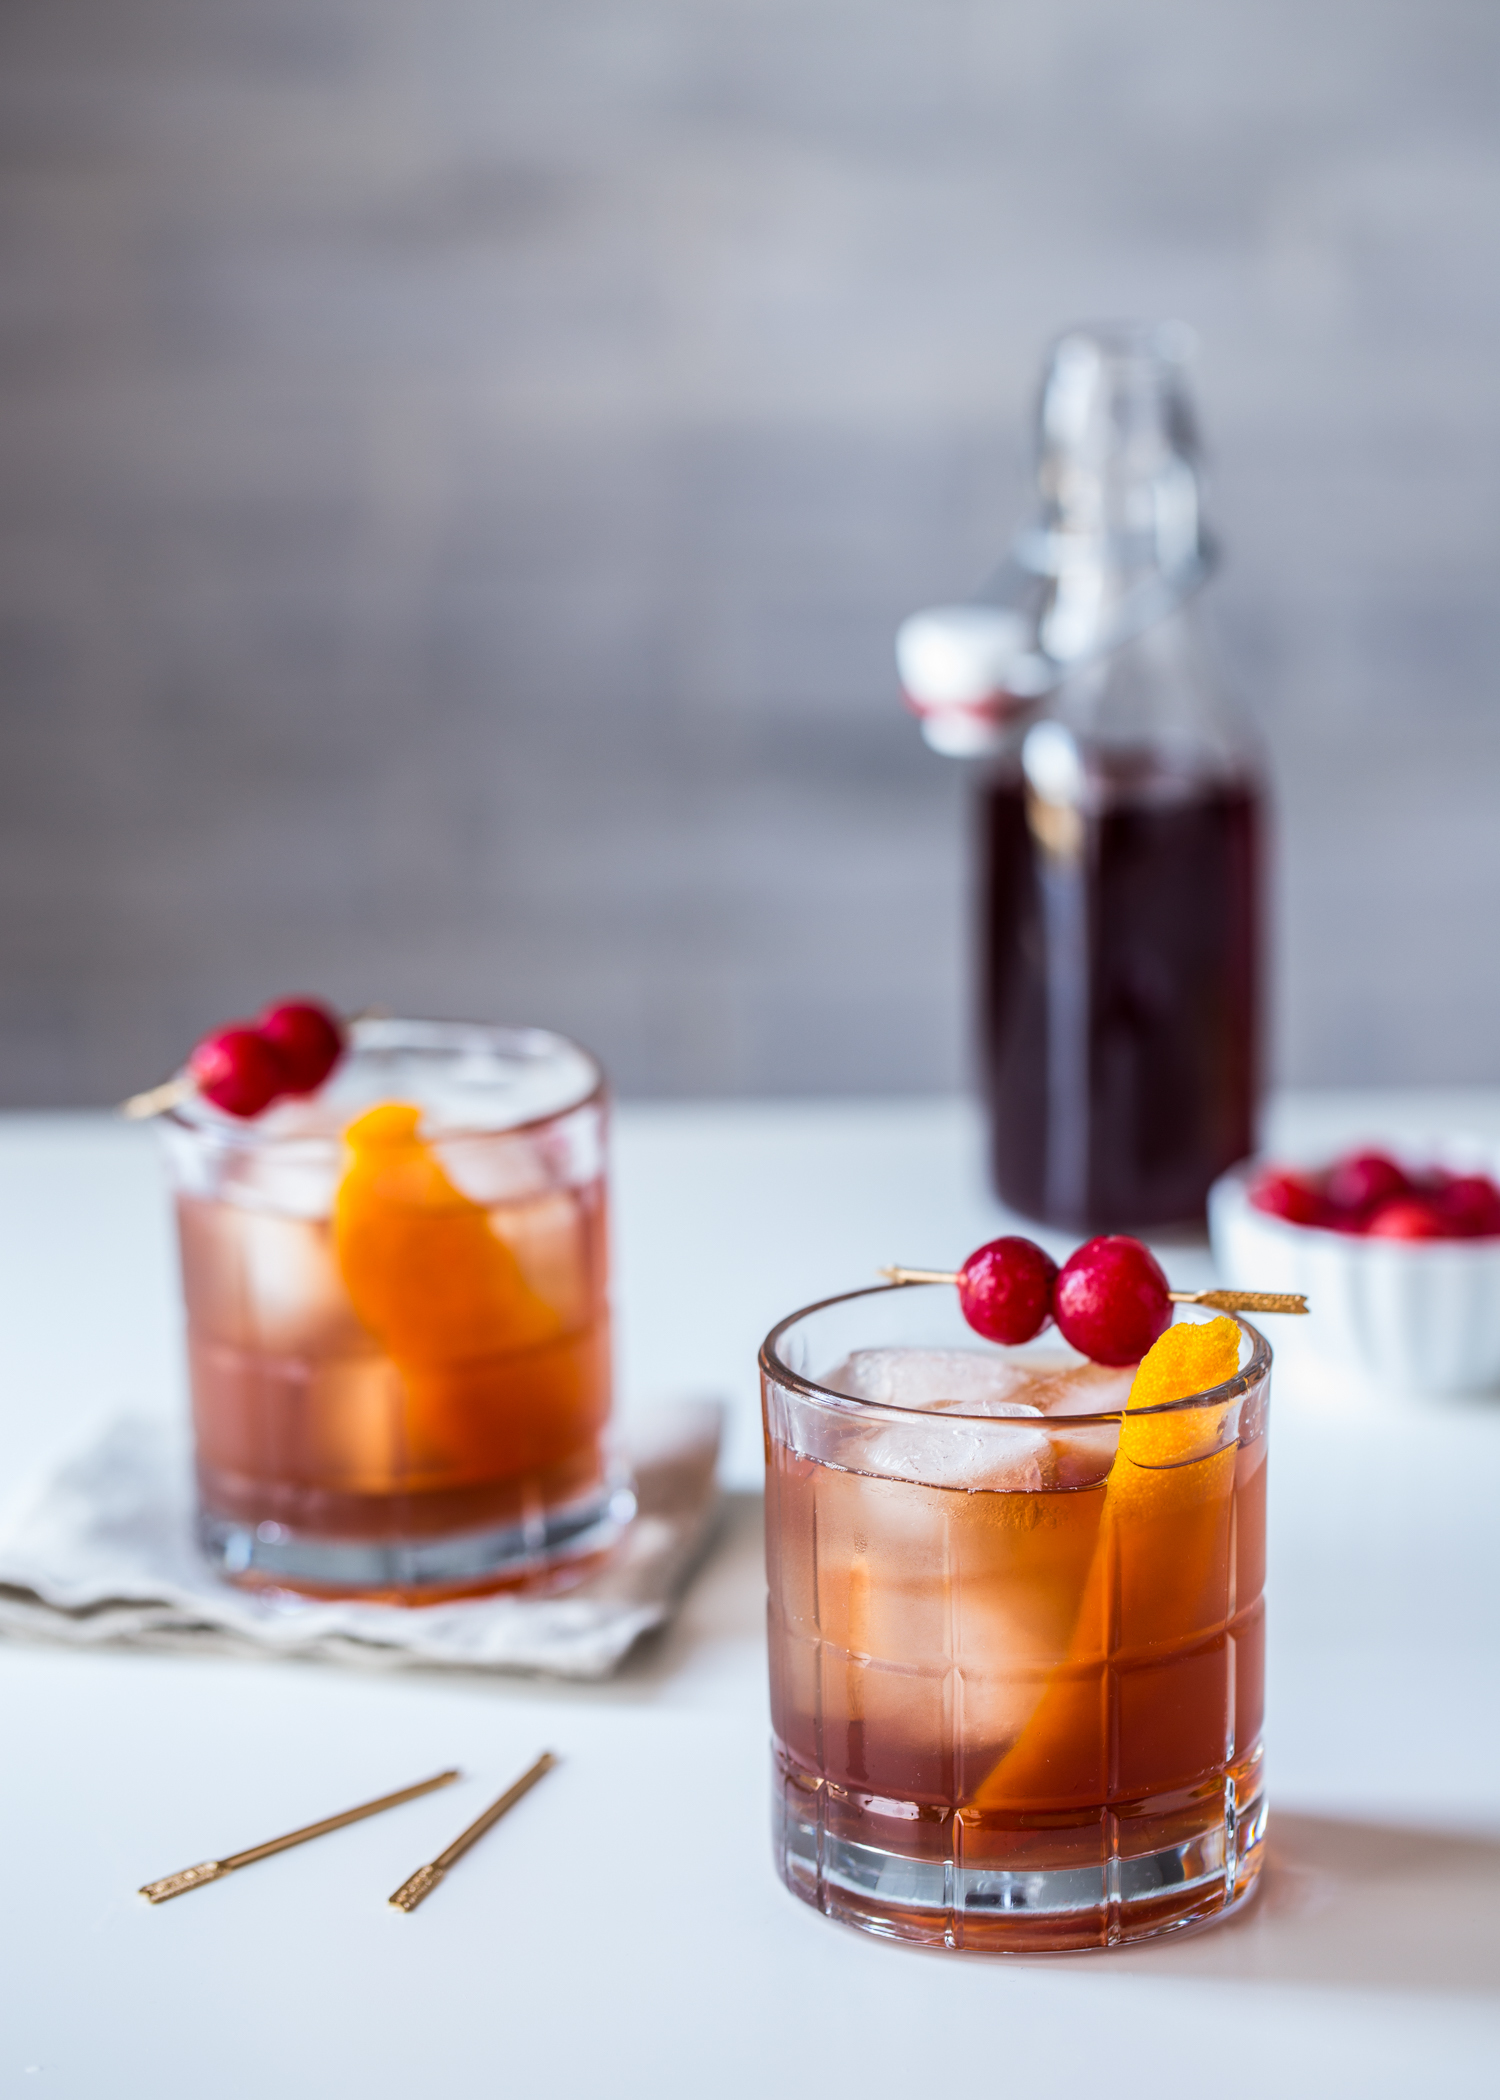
(1119, 807)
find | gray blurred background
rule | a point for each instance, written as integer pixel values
(462, 465)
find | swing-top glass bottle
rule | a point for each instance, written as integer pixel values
(1119, 811)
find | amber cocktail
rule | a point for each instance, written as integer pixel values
(398, 1318)
(1016, 1635)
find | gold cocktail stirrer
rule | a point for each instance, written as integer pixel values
(215, 1869)
(425, 1880)
(158, 1099)
(1217, 1301)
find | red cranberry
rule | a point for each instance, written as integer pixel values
(307, 1038)
(1362, 1181)
(1470, 1203)
(1110, 1300)
(1409, 1218)
(1295, 1197)
(237, 1069)
(1005, 1289)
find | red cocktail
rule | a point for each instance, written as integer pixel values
(1016, 1633)
(398, 1320)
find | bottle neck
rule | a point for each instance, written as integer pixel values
(1115, 556)
(1103, 596)
(1119, 541)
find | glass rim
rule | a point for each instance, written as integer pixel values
(779, 1373)
(398, 1031)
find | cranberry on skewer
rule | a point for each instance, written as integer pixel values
(246, 1066)
(307, 1039)
(237, 1069)
(1005, 1289)
(1110, 1299)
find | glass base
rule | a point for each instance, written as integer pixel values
(550, 1550)
(986, 1909)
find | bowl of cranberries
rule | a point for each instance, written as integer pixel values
(1398, 1253)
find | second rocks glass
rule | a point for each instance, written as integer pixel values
(398, 1319)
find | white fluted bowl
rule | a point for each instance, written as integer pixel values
(1419, 1315)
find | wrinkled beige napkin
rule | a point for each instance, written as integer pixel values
(101, 1550)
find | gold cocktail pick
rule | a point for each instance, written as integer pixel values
(156, 1100)
(215, 1869)
(425, 1880)
(1217, 1301)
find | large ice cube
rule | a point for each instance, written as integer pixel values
(1065, 1386)
(295, 1295)
(296, 1178)
(491, 1169)
(970, 1383)
(261, 1282)
(961, 1452)
(549, 1239)
(980, 1382)
(1070, 1385)
(941, 1615)
(970, 1380)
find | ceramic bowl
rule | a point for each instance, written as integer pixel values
(1416, 1315)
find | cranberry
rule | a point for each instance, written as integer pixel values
(1005, 1289)
(1362, 1181)
(1470, 1203)
(1409, 1218)
(308, 1040)
(237, 1069)
(1295, 1197)
(1110, 1300)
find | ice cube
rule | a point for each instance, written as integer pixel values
(259, 1282)
(969, 1380)
(972, 1383)
(549, 1239)
(958, 1452)
(295, 1178)
(1066, 1385)
(294, 1293)
(1070, 1385)
(952, 1608)
(492, 1169)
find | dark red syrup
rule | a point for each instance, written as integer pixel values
(1119, 994)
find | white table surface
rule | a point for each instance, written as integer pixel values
(623, 1933)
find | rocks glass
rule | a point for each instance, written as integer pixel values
(398, 1318)
(1016, 1640)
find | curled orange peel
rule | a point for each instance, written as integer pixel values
(425, 1270)
(1192, 1357)
(1162, 1510)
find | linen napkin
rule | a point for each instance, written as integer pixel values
(101, 1550)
